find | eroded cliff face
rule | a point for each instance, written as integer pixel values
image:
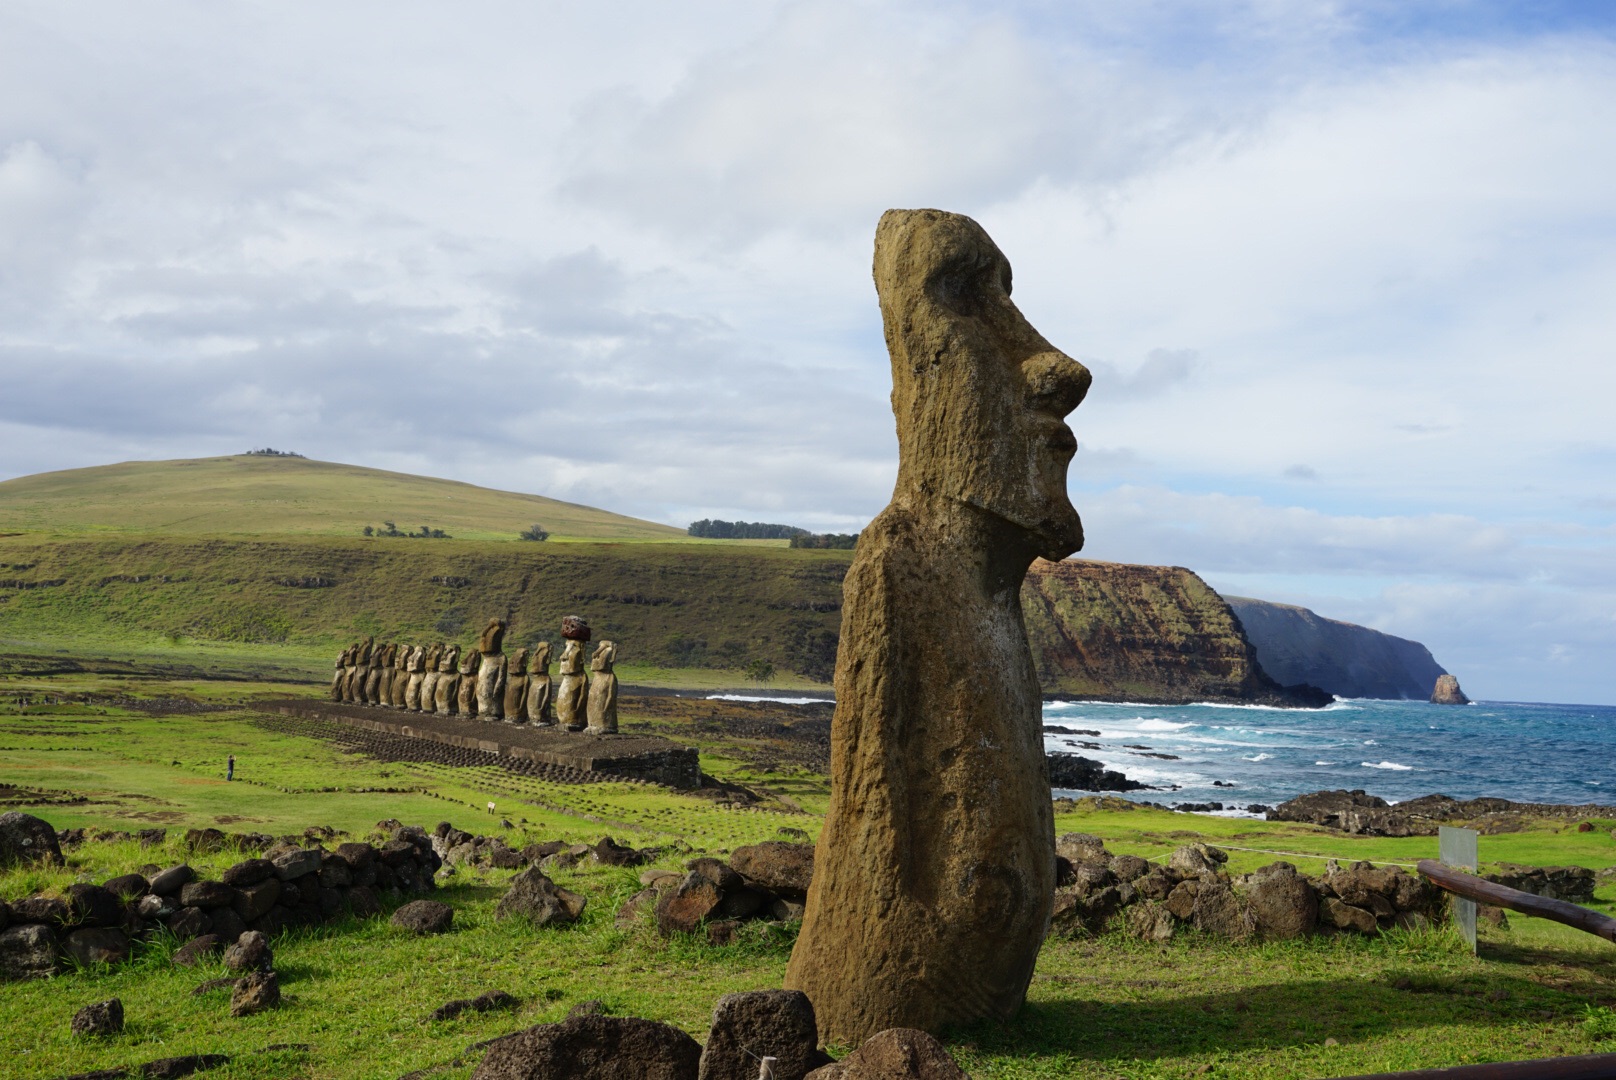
(1113, 631)
(1295, 645)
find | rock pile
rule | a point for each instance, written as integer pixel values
(1194, 889)
(761, 881)
(285, 887)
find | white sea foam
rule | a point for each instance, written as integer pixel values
(765, 697)
(1326, 763)
(1162, 725)
(1370, 742)
(1387, 765)
(1259, 757)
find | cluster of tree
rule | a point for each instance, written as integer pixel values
(710, 529)
(269, 452)
(533, 532)
(844, 541)
(425, 532)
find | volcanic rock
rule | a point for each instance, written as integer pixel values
(781, 868)
(250, 952)
(255, 992)
(27, 839)
(97, 945)
(763, 1023)
(895, 1054)
(27, 952)
(593, 1048)
(1447, 692)
(535, 897)
(102, 1018)
(424, 917)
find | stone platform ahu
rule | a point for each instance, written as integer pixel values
(519, 711)
(935, 871)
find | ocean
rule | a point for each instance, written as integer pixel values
(1395, 749)
(1241, 755)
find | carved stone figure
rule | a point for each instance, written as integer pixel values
(446, 692)
(516, 687)
(934, 873)
(491, 671)
(339, 674)
(401, 674)
(429, 678)
(538, 686)
(362, 669)
(467, 699)
(571, 699)
(417, 669)
(603, 690)
(373, 675)
(384, 677)
(350, 672)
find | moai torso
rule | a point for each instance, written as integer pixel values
(538, 686)
(401, 674)
(491, 671)
(603, 690)
(446, 692)
(466, 695)
(412, 692)
(430, 672)
(571, 692)
(516, 687)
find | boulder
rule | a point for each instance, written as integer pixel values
(27, 951)
(169, 882)
(1150, 921)
(97, 945)
(199, 950)
(1574, 884)
(1181, 901)
(629, 914)
(781, 868)
(716, 871)
(206, 840)
(763, 1023)
(1193, 860)
(681, 910)
(188, 923)
(250, 872)
(255, 992)
(292, 865)
(1447, 692)
(1344, 916)
(357, 856)
(127, 887)
(254, 901)
(1129, 867)
(1217, 910)
(535, 897)
(424, 917)
(894, 1054)
(102, 1018)
(154, 908)
(1079, 847)
(611, 853)
(172, 1068)
(27, 839)
(250, 952)
(41, 909)
(207, 895)
(593, 1048)
(1283, 903)
(335, 873)
(5, 915)
(363, 901)
(501, 857)
(723, 932)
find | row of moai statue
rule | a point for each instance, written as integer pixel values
(484, 683)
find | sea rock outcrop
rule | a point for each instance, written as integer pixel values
(1447, 692)
(929, 902)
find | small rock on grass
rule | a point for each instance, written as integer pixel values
(894, 1054)
(424, 917)
(102, 1018)
(593, 1048)
(488, 1002)
(763, 1023)
(255, 992)
(251, 952)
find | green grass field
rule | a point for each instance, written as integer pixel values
(356, 994)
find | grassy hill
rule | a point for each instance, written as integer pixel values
(260, 495)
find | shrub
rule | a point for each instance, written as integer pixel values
(533, 532)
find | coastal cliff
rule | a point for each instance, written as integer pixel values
(1295, 645)
(1118, 632)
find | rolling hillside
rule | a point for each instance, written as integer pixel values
(249, 494)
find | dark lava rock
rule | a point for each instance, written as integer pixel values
(1085, 774)
(175, 1067)
(27, 951)
(41, 909)
(534, 852)
(250, 872)
(214, 984)
(763, 1023)
(254, 901)
(681, 910)
(593, 1048)
(357, 856)
(169, 882)
(27, 839)
(1365, 815)
(535, 897)
(97, 945)
(127, 886)
(190, 922)
(1283, 903)
(363, 901)
(250, 953)
(154, 908)
(1571, 883)
(716, 871)
(298, 863)
(612, 853)
(488, 1002)
(894, 1054)
(207, 895)
(102, 1018)
(199, 950)
(255, 992)
(206, 840)
(782, 868)
(5, 915)
(92, 905)
(424, 917)
(723, 932)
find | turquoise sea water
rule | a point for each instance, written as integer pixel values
(1394, 749)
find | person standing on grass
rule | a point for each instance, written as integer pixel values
(230, 768)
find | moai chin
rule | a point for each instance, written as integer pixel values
(572, 691)
(603, 690)
(491, 671)
(538, 686)
(935, 870)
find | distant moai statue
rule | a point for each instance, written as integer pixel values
(447, 691)
(339, 674)
(373, 676)
(429, 678)
(571, 707)
(603, 690)
(466, 699)
(367, 649)
(401, 673)
(384, 677)
(516, 687)
(538, 686)
(491, 671)
(417, 670)
(350, 672)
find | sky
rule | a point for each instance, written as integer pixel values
(1343, 271)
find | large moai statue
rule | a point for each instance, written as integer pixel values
(373, 676)
(491, 671)
(338, 675)
(538, 686)
(516, 687)
(367, 649)
(466, 699)
(446, 692)
(935, 870)
(430, 674)
(603, 690)
(384, 677)
(571, 699)
(417, 670)
(401, 674)
(350, 673)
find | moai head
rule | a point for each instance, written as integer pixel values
(572, 657)
(470, 661)
(401, 656)
(574, 628)
(433, 654)
(605, 656)
(519, 661)
(541, 659)
(493, 637)
(979, 395)
(450, 659)
(365, 649)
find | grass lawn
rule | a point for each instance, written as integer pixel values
(357, 993)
